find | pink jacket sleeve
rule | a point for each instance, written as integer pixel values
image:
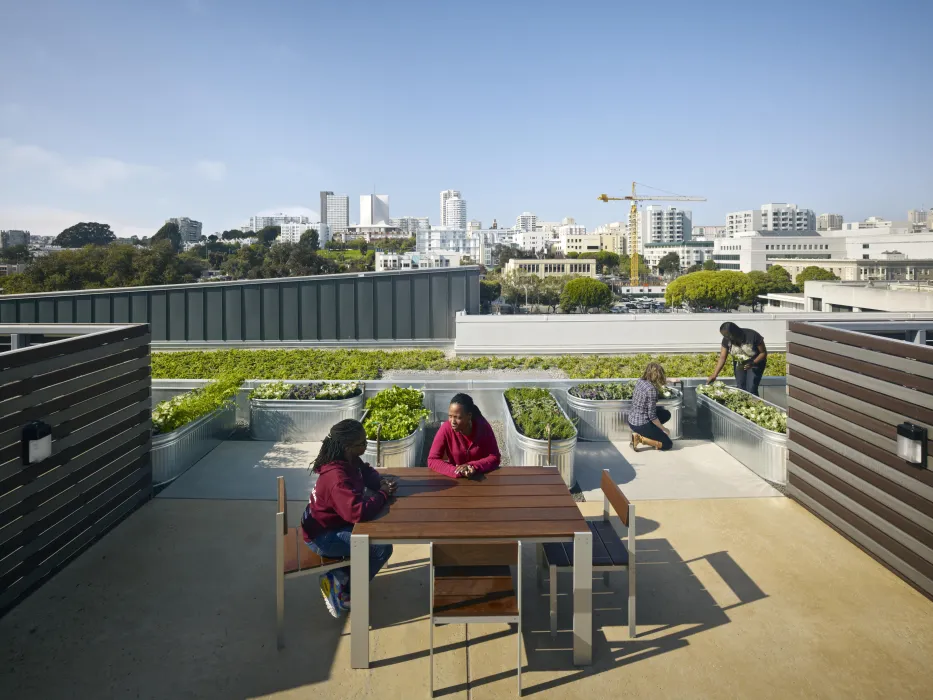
(487, 441)
(436, 461)
(353, 508)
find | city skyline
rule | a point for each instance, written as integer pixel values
(72, 150)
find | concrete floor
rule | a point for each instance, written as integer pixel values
(738, 598)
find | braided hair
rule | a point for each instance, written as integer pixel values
(342, 435)
(465, 401)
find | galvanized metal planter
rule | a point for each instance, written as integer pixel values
(392, 454)
(176, 452)
(761, 450)
(608, 420)
(527, 452)
(299, 420)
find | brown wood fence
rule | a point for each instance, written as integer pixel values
(94, 392)
(847, 392)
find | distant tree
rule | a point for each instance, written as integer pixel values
(551, 289)
(235, 234)
(709, 265)
(169, 232)
(268, 234)
(585, 293)
(311, 239)
(780, 280)
(669, 264)
(16, 254)
(694, 268)
(489, 291)
(212, 238)
(573, 255)
(85, 233)
(725, 289)
(814, 274)
(501, 254)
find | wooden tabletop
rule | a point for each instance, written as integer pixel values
(511, 502)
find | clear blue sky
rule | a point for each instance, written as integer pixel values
(131, 111)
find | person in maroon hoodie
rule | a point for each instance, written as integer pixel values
(347, 491)
(465, 445)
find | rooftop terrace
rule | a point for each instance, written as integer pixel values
(743, 592)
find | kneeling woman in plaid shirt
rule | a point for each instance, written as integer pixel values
(647, 419)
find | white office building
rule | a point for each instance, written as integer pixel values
(411, 224)
(876, 223)
(456, 213)
(189, 229)
(445, 195)
(392, 262)
(335, 214)
(474, 225)
(291, 233)
(526, 221)
(775, 216)
(756, 252)
(692, 252)
(457, 240)
(829, 222)
(920, 219)
(374, 210)
(257, 223)
(659, 224)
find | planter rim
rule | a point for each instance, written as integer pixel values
(715, 404)
(293, 403)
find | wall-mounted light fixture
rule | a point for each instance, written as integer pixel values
(37, 442)
(912, 444)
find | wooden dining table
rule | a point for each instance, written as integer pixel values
(531, 504)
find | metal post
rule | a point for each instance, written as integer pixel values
(549, 445)
(18, 340)
(378, 445)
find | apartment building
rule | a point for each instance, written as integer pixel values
(829, 222)
(335, 214)
(775, 216)
(759, 252)
(585, 267)
(692, 252)
(189, 229)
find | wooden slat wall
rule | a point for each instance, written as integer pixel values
(94, 392)
(847, 392)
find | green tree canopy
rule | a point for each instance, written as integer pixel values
(235, 234)
(814, 274)
(16, 254)
(489, 290)
(585, 293)
(268, 234)
(724, 289)
(169, 232)
(710, 265)
(669, 264)
(85, 233)
(311, 239)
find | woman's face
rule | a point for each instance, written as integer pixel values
(459, 419)
(356, 448)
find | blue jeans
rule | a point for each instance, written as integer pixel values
(653, 432)
(748, 379)
(336, 544)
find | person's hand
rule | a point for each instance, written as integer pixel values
(666, 431)
(464, 470)
(389, 486)
(747, 366)
(709, 381)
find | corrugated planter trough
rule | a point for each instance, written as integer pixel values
(176, 452)
(528, 452)
(608, 420)
(296, 420)
(761, 450)
(393, 454)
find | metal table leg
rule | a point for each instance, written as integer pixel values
(359, 599)
(582, 598)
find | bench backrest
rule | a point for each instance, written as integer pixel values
(475, 554)
(613, 494)
(283, 505)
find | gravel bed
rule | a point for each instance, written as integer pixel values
(408, 375)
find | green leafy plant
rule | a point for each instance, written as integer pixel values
(182, 409)
(748, 406)
(614, 392)
(533, 410)
(317, 391)
(397, 411)
(370, 364)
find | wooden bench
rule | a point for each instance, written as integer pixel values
(610, 553)
(473, 583)
(293, 558)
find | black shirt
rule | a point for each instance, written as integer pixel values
(748, 349)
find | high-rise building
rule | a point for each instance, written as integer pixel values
(411, 224)
(456, 213)
(829, 222)
(526, 221)
(257, 223)
(189, 229)
(374, 210)
(13, 237)
(775, 216)
(445, 195)
(291, 233)
(920, 219)
(659, 224)
(708, 233)
(335, 213)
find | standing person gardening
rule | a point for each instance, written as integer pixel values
(647, 419)
(347, 491)
(465, 444)
(749, 356)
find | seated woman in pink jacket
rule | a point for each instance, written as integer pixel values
(465, 444)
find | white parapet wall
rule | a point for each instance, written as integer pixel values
(610, 334)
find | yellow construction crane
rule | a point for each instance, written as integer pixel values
(633, 220)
